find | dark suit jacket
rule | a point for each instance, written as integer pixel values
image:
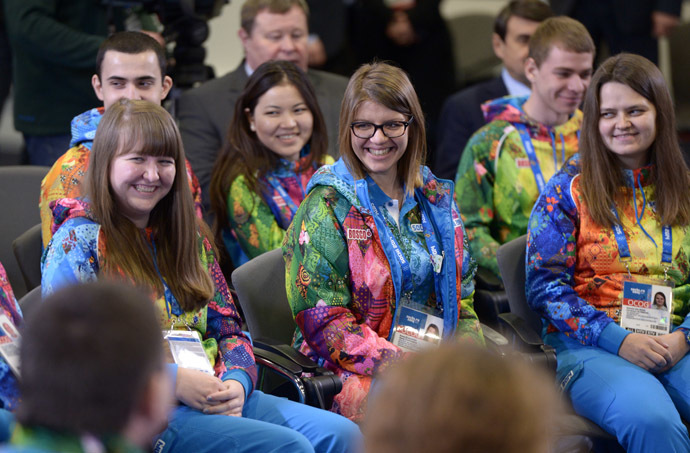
(204, 114)
(460, 118)
(630, 16)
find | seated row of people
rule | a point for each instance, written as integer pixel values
(376, 250)
(110, 391)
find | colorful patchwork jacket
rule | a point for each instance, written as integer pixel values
(574, 274)
(495, 185)
(9, 391)
(65, 177)
(343, 283)
(259, 225)
(77, 251)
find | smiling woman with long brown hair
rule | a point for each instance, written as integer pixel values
(608, 232)
(138, 226)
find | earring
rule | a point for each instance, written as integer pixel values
(252, 127)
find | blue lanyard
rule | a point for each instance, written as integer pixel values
(176, 309)
(531, 155)
(624, 250)
(388, 237)
(273, 181)
(435, 250)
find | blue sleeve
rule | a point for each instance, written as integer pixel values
(551, 256)
(71, 256)
(242, 377)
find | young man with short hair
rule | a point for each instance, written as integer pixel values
(508, 161)
(462, 114)
(130, 65)
(93, 373)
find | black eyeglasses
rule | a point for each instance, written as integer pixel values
(391, 129)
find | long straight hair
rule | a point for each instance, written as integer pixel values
(146, 128)
(243, 153)
(602, 172)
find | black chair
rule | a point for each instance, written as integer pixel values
(30, 302)
(490, 299)
(525, 326)
(19, 191)
(260, 288)
(27, 250)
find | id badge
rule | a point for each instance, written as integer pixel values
(9, 343)
(646, 306)
(187, 350)
(417, 327)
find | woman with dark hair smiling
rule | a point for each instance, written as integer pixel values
(609, 227)
(276, 141)
(138, 226)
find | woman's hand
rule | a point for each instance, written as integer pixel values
(677, 346)
(650, 353)
(228, 401)
(193, 387)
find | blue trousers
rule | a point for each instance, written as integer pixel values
(643, 410)
(268, 424)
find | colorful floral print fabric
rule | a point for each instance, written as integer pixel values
(495, 184)
(79, 249)
(9, 391)
(257, 225)
(65, 177)
(342, 286)
(574, 274)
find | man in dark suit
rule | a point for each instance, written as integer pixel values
(625, 25)
(271, 30)
(462, 115)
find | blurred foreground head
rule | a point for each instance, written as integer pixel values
(92, 363)
(460, 398)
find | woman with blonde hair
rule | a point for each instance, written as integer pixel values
(137, 225)
(378, 244)
(608, 229)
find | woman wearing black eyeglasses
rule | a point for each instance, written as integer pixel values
(377, 251)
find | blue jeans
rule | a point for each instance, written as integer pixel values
(45, 150)
(643, 410)
(268, 424)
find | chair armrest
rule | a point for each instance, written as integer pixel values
(520, 328)
(493, 337)
(287, 352)
(315, 385)
(284, 368)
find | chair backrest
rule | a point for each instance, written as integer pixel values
(511, 264)
(19, 190)
(471, 36)
(30, 302)
(260, 287)
(27, 250)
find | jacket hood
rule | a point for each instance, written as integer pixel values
(509, 109)
(338, 176)
(84, 127)
(65, 209)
